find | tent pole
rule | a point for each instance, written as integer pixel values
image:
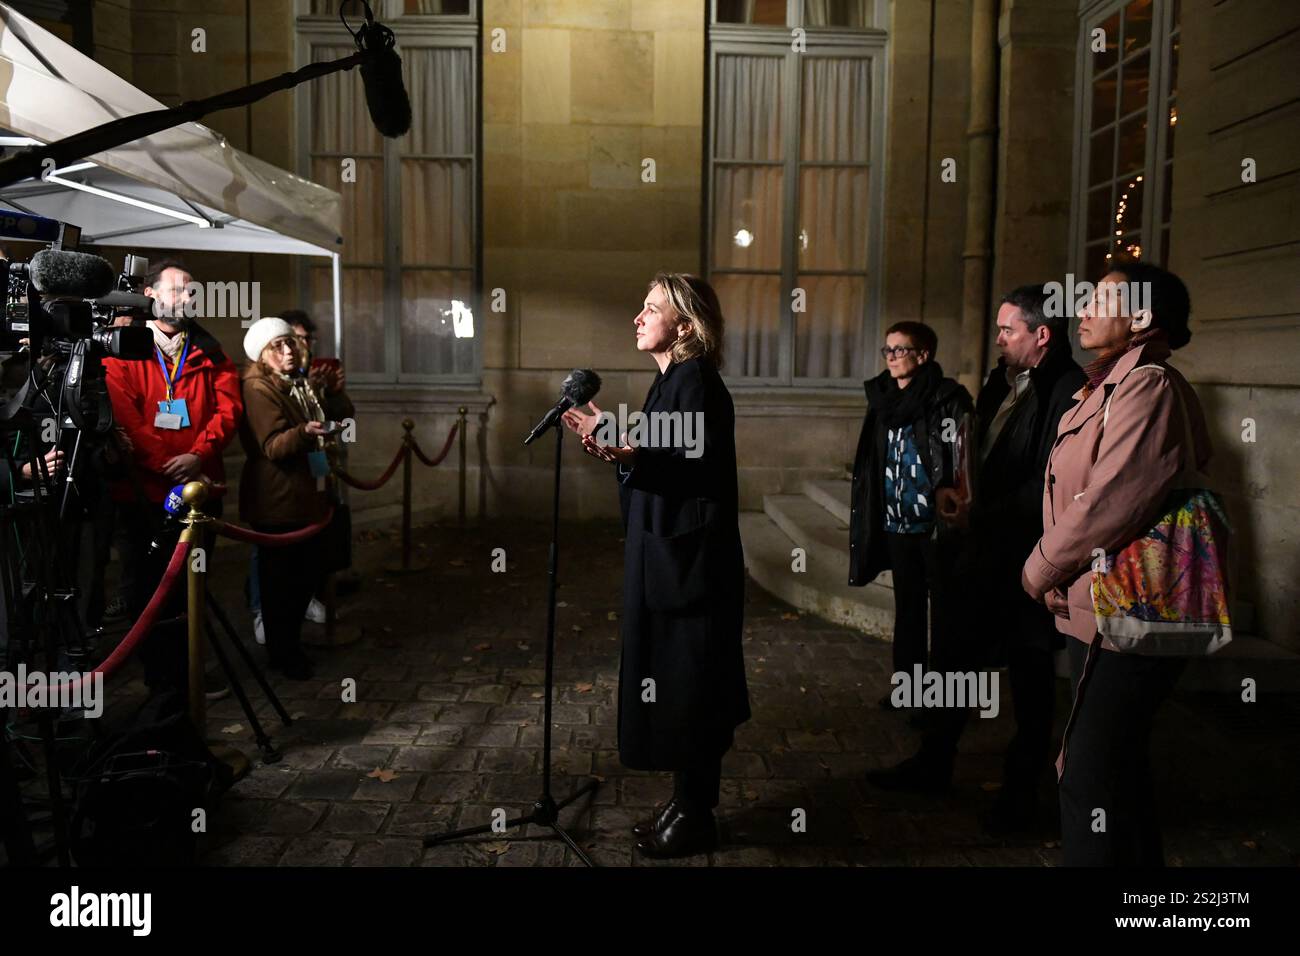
(338, 310)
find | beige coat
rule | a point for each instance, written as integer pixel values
(276, 486)
(1106, 484)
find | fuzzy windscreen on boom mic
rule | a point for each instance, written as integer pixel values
(71, 274)
(381, 72)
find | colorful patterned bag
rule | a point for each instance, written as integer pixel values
(1166, 592)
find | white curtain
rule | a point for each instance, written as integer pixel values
(436, 218)
(837, 13)
(437, 213)
(831, 227)
(748, 210)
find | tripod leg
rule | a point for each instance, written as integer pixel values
(588, 787)
(249, 662)
(269, 753)
(560, 832)
(13, 822)
(433, 839)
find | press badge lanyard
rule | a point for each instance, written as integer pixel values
(172, 413)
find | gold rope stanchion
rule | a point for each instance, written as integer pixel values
(408, 452)
(195, 494)
(464, 430)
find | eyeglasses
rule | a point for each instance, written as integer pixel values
(898, 351)
(282, 345)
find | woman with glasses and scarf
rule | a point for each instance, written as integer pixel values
(905, 477)
(281, 488)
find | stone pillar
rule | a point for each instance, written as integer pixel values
(982, 141)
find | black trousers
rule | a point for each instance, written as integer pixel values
(287, 577)
(697, 787)
(920, 574)
(165, 651)
(1108, 811)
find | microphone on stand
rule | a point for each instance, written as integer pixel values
(579, 388)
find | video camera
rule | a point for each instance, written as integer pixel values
(61, 307)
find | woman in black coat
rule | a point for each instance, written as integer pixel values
(682, 688)
(904, 478)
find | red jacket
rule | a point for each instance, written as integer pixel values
(209, 383)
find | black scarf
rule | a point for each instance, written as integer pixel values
(903, 406)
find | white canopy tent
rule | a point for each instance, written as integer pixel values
(183, 188)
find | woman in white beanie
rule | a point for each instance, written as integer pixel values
(280, 489)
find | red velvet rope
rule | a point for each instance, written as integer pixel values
(249, 536)
(442, 454)
(360, 485)
(141, 627)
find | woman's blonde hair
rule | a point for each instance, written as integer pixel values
(695, 302)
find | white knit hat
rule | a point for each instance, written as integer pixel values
(262, 333)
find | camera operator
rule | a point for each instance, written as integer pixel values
(179, 413)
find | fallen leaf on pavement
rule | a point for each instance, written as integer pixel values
(483, 647)
(384, 776)
(583, 687)
(233, 729)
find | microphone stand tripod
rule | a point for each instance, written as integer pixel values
(545, 812)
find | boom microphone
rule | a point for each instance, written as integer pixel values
(579, 388)
(74, 275)
(381, 73)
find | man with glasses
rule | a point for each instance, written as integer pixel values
(179, 412)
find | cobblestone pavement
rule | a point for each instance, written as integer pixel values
(446, 727)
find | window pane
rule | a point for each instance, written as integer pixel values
(437, 212)
(441, 85)
(833, 218)
(1167, 202)
(747, 204)
(363, 207)
(444, 8)
(1103, 99)
(1166, 251)
(854, 14)
(751, 307)
(1104, 61)
(330, 8)
(1135, 84)
(340, 122)
(1173, 128)
(1101, 157)
(748, 108)
(1096, 260)
(1137, 25)
(836, 109)
(1132, 144)
(438, 324)
(1174, 51)
(1101, 214)
(363, 316)
(768, 12)
(1128, 204)
(828, 335)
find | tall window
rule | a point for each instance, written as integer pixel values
(411, 260)
(1128, 71)
(795, 186)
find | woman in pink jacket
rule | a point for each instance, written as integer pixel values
(1117, 455)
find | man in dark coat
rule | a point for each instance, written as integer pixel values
(1017, 413)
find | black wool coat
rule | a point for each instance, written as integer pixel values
(1007, 515)
(682, 684)
(868, 549)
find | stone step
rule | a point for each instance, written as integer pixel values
(822, 589)
(833, 494)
